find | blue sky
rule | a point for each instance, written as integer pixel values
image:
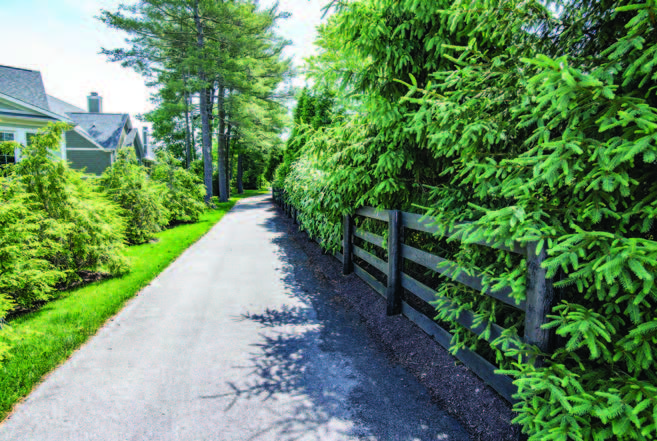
(62, 39)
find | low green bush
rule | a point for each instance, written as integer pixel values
(184, 191)
(53, 225)
(26, 274)
(127, 183)
(82, 229)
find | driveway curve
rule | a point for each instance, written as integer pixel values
(236, 340)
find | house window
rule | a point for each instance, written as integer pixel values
(8, 157)
(29, 137)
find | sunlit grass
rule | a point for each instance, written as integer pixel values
(45, 338)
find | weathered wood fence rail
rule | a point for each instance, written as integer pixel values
(539, 292)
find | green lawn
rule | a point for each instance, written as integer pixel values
(43, 339)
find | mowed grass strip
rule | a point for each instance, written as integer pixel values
(45, 338)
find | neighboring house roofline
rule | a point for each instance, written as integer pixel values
(106, 128)
(24, 69)
(23, 115)
(24, 84)
(36, 108)
(80, 131)
(98, 113)
(60, 106)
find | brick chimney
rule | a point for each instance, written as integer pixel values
(95, 103)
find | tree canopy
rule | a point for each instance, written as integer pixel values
(226, 54)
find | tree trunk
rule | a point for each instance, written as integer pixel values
(191, 112)
(188, 140)
(240, 174)
(229, 167)
(221, 146)
(205, 117)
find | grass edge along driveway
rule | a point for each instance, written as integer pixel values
(43, 339)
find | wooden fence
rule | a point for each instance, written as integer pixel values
(539, 294)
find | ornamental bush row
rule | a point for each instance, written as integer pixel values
(56, 223)
(531, 121)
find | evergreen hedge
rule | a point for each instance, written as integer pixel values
(184, 191)
(54, 224)
(142, 199)
(531, 123)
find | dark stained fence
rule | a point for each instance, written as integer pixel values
(539, 292)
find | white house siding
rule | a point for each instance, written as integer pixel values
(21, 131)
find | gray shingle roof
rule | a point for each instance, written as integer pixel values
(62, 107)
(25, 85)
(105, 128)
(130, 138)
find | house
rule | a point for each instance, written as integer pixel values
(25, 107)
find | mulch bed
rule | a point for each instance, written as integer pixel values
(482, 412)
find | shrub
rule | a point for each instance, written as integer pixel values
(26, 275)
(281, 172)
(53, 225)
(143, 201)
(184, 193)
(81, 229)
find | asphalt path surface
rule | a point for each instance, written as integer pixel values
(236, 340)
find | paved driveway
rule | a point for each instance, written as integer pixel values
(236, 340)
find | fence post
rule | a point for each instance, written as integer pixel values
(347, 247)
(540, 300)
(394, 289)
(294, 215)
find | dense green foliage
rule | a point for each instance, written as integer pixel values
(53, 225)
(529, 125)
(142, 199)
(313, 110)
(27, 275)
(183, 190)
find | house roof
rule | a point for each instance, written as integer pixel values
(105, 128)
(62, 107)
(130, 137)
(25, 85)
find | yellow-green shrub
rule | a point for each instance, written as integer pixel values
(127, 183)
(184, 191)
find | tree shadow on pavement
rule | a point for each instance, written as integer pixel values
(329, 378)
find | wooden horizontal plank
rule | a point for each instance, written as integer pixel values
(419, 289)
(419, 222)
(431, 262)
(475, 362)
(427, 224)
(466, 318)
(370, 212)
(377, 263)
(338, 255)
(372, 238)
(370, 280)
(427, 260)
